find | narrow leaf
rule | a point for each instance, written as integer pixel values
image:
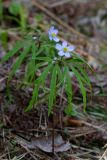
(84, 74)
(11, 53)
(18, 62)
(44, 74)
(52, 93)
(38, 82)
(30, 69)
(82, 88)
(68, 89)
(34, 97)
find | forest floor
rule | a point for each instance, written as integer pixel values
(27, 135)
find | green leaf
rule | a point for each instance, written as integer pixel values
(38, 82)
(68, 89)
(30, 71)
(61, 75)
(34, 97)
(34, 49)
(44, 74)
(23, 18)
(74, 60)
(84, 74)
(15, 49)
(1, 10)
(14, 8)
(40, 50)
(82, 88)
(4, 39)
(18, 62)
(81, 59)
(39, 17)
(47, 59)
(52, 93)
(31, 66)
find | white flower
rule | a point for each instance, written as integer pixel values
(64, 49)
(34, 37)
(52, 32)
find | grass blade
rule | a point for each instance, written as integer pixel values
(15, 49)
(68, 89)
(52, 93)
(44, 74)
(82, 88)
(34, 97)
(18, 62)
(84, 74)
(38, 82)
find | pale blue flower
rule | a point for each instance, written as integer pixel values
(64, 49)
(52, 32)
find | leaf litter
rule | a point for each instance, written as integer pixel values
(45, 144)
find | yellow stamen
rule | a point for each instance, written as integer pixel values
(53, 34)
(65, 49)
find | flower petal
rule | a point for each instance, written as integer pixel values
(51, 28)
(71, 48)
(64, 43)
(67, 54)
(50, 37)
(56, 39)
(58, 46)
(55, 31)
(61, 53)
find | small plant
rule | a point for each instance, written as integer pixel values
(15, 12)
(16, 9)
(55, 60)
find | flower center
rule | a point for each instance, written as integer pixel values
(53, 34)
(65, 49)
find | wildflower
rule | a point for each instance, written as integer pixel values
(53, 34)
(64, 49)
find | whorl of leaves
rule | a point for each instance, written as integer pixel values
(39, 55)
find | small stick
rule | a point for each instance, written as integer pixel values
(53, 134)
(53, 16)
(104, 155)
(58, 3)
(94, 126)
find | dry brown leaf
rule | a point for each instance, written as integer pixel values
(45, 144)
(2, 84)
(70, 121)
